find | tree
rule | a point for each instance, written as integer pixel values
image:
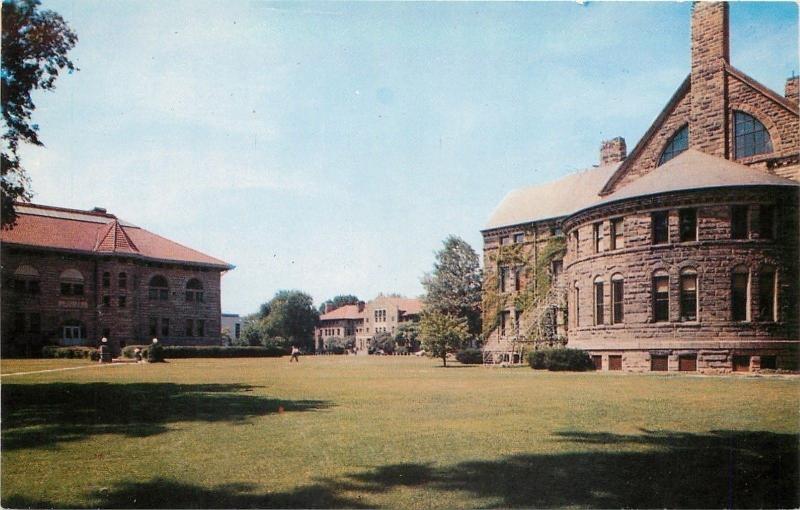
(443, 334)
(291, 315)
(408, 336)
(35, 45)
(338, 302)
(382, 342)
(454, 286)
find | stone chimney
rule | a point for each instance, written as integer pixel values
(708, 131)
(613, 151)
(328, 307)
(793, 89)
(361, 306)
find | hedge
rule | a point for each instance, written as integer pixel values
(214, 351)
(561, 359)
(470, 356)
(53, 351)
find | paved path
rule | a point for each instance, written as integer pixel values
(94, 365)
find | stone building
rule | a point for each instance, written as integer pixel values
(232, 325)
(338, 323)
(680, 256)
(70, 277)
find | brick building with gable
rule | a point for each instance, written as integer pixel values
(680, 256)
(70, 277)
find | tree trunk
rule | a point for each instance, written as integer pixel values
(444, 358)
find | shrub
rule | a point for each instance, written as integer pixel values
(561, 359)
(128, 351)
(470, 356)
(176, 351)
(155, 353)
(54, 351)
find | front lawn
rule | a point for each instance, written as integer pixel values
(393, 432)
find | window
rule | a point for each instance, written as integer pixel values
(751, 137)
(769, 362)
(106, 280)
(597, 361)
(106, 301)
(517, 315)
(380, 315)
(123, 301)
(71, 283)
(577, 243)
(503, 277)
(740, 294)
(35, 323)
(617, 234)
(688, 295)
(517, 277)
(122, 281)
(237, 330)
(153, 327)
(677, 144)
(505, 240)
(73, 331)
(519, 238)
(26, 280)
(660, 221)
(660, 296)
(617, 298)
(201, 327)
(739, 223)
(598, 237)
(741, 363)
(556, 267)
(194, 291)
(687, 218)
(767, 288)
(164, 327)
(158, 288)
(766, 221)
(555, 230)
(577, 306)
(598, 301)
(19, 322)
(614, 362)
(659, 363)
(504, 319)
(687, 363)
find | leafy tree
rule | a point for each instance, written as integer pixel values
(291, 315)
(35, 45)
(454, 286)
(339, 301)
(253, 333)
(408, 336)
(382, 341)
(443, 334)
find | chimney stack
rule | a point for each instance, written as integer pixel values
(613, 151)
(793, 89)
(328, 307)
(710, 54)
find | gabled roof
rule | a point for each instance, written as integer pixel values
(97, 232)
(693, 170)
(409, 306)
(777, 98)
(343, 312)
(550, 200)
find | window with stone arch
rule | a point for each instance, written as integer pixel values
(617, 299)
(577, 307)
(660, 296)
(158, 288)
(688, 296)
(599, 305)
(71, 283)
(740, 294)
(767, 294)
(677, 144)
(750, 136)
(194, 291)
(26, 280)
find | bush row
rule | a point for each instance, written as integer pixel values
(52, 351)
(561, 359)
(470, 356)
(178, 351)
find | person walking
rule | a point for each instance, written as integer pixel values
(295, 354)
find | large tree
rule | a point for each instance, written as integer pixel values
(454, 286)
(443, 334)
(290, 315)
(339, 301)
(35, 44)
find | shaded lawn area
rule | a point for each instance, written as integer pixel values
(13, 366)
(336, 432)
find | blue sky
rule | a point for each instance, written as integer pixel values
(331, 147)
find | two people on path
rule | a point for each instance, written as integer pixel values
(295, 354)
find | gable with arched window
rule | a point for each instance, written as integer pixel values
(26, 280)
(158, 288)
(71, 283)
(677, 144)
(750, 136)
(194, 291)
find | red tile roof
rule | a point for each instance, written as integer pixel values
(96, 232)
(343, 312)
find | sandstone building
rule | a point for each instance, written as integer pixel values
(70, 277)
(680, 256)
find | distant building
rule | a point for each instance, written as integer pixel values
(232, 325)
(70, 277)
(338, 323)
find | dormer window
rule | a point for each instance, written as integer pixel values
(677, 144)
(751, 137)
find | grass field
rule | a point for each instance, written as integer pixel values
(392, 433)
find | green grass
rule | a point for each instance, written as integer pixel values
(393, 433)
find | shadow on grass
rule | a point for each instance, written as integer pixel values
(43, 415)
(673, 470)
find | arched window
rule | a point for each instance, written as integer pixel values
(740, 294)
(194, 290)
(751, 137)
(106, 280)
(577, 306)
(688, 301)
(158, 288)
(598, 301)
(71, 283)
(660, 296)
(767, 294)
(617, 298)
(26, 279)
(677, 144)
(122, 282)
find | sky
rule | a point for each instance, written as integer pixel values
(332, 147)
